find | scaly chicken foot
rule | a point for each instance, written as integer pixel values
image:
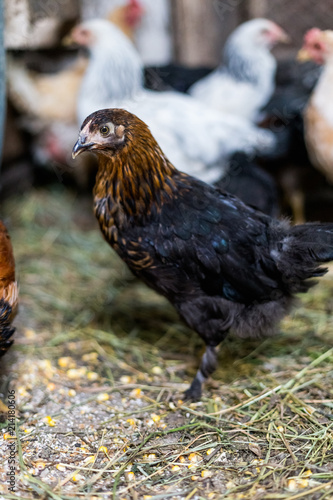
(207, 367)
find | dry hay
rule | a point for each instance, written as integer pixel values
(100, 363)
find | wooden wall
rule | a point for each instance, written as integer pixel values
(198, 27)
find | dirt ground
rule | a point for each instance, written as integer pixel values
(100, 364)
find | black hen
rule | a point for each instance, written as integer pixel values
(224, 266)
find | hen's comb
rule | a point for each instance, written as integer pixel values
(134, 12)
(312, 35)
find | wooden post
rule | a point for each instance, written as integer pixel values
(257, 8)
(195, 32)
(200, 29)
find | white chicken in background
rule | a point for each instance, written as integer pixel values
(318, 115)
(245, 80)
(48, 101)
(152, 36)
(196, 138)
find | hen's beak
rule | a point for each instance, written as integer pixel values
(284, 37)
(68, 40)
(303, 55)
(80, 147)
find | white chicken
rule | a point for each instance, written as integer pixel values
(48, 100)
(245, 80)
(196, 138)
(152, 36)
(318, 115)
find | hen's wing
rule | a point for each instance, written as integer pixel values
(212, 241)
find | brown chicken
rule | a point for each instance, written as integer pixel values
(318, 116)
(8, 290)
(223, 265)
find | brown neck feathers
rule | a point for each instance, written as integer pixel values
(135, 179)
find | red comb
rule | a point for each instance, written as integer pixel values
(312, 35)
(134, 12)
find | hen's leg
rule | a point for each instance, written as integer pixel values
(207, 367)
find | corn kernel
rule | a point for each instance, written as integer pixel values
(147, 497)
(194, 478)
(29, 429)
(71, 393)
(103, 449)
(194, 457)
(307, 473)
(51, 386)
(136, 393)
(303, 483)
(129, 476)
(155, 418)
(77, 477)
(131, 421)
(208, 452)
(92, 376)
(182, 459)
(76, 373)
(30, 334)
(89, 460)
(61, 467)
(103, 396)
(292, 485)
(280, 428)
(7, 435)
(157, 370)
(91, 357)
(40, 465)
(66, 362)
(126, 379)
(49, 421)
(175, 468)
(205, 473)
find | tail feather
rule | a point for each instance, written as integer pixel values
(303, 249)
(317, 239)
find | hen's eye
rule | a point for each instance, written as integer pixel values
(104, 130)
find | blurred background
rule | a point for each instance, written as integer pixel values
(179, 41)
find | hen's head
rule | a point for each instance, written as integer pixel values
(133, 13)
(108, 131)
(261, 33)
(93, 32)
(317, 46)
